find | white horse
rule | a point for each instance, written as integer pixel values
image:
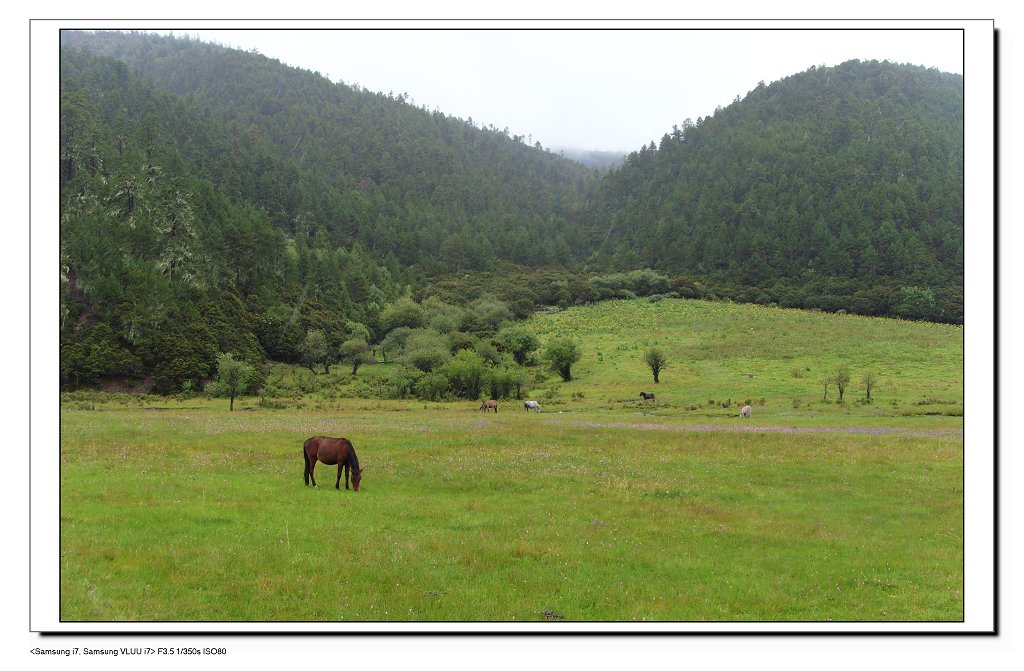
(532, 405)
(745, 412)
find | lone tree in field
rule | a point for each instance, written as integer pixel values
(355, 352)
(869, 380)
(842, 379)
(233, 378)
(561, 354)
(657, 361)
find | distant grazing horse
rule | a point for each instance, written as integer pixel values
(487, 405)
(745, 412)
(332, 451)
(647, 397)
(532, 405)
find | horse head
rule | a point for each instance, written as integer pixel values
(357, 475)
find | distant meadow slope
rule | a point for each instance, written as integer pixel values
(774, 358)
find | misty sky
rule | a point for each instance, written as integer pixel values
(592, 89)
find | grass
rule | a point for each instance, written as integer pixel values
(722, 354)
(596, 509)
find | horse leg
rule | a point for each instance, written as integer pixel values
(305, 472)
(337, 483)
(346, 476)
(312, 466)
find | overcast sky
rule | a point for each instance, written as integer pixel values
(590, 89)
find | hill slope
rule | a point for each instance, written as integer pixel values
(777, 359)
(424, 188)
(835, 188)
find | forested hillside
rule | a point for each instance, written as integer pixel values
(414, 187)
(834, 188)
(162, 267)
(214, 200)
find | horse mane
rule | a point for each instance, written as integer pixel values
(353, 460)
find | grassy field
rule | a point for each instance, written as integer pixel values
(774, 359)
(600, 508)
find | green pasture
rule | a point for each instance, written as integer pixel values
(724, 355)
(601, 508)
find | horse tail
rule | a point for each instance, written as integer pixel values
(305, 456)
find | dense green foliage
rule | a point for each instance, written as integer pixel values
(834, 188)
(414, 187)
(215, 201)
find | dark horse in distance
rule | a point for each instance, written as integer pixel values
(332, 451)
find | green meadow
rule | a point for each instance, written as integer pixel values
(601, 508)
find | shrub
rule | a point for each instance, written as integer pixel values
(433, 387)
(915, 303)
(561, 354)
(506, 382)
(95, 355)
(465, 373)
(426, 350)
(402, 382)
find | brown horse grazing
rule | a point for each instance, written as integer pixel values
(332, 451)
(487, 405)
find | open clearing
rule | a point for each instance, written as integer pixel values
(601, 508)
(197, 515)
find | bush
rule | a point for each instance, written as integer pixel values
(506, 382)
(402, 382)
(915, 303)
(486, 315)
(94, 356)
(433, 387)
(426, 350)
(561, 354)
(824, 302)
(466, 373)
